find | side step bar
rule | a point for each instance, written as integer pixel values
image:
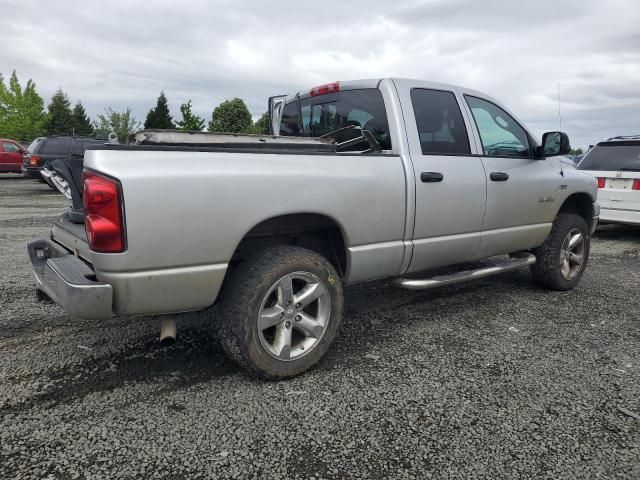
(518, 260)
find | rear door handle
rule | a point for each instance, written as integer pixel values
(431, 177)
(499, 176)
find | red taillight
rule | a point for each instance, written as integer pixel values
(636, 184)
(324, 89)
(102, 201)
(600, 182)
(34, 160)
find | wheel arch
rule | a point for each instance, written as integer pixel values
(314, 231)
(581, 204)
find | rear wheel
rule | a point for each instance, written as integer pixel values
(281, 310)
(562, 258)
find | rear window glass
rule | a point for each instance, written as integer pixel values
(612, 156)
(317, 116)
(34, 144)
(56, 146)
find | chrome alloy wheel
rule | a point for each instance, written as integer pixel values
(293, 316)
(572, 254)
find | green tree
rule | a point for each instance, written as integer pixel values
(260, 126)
(576, 151)
(60, 120)
(4, 96)
(22, 115)
(190, 121)
(81, 122)
(231, 116)
(121, 123)
(159, 117)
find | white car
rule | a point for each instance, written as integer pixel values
(616, 165)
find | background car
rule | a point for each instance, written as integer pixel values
(616, 166)
(44, 150)
(11, 156)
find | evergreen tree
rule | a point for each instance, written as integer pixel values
(231, 116)
(159, 117)
(121, 123)
(60, 116)
(22, 115)
(190, 121)
(81, 122)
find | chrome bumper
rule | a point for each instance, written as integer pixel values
(69, 281)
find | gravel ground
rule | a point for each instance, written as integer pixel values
(493, 379)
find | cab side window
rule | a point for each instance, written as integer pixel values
(440, 124)
(500, 134)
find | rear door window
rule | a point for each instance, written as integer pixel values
(613, 156)
(317, 116)
(57, 146)
(440, 124)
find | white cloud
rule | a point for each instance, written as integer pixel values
(122, 54)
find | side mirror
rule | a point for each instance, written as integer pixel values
(553, 144)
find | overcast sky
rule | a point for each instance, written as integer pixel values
(122, 53)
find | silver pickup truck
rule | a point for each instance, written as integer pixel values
(362, 180)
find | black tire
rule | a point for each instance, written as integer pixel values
(549, 256)
(243, 292)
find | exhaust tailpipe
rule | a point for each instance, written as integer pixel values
(167, 329)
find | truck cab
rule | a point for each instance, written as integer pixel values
(478, 182)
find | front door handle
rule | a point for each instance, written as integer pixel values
(431, 177)
(499, 176)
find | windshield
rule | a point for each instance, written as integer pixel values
(613, 156)
(317, 116)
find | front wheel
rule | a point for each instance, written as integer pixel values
(281, 310)
(562, 259)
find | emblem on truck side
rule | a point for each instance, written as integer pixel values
(546, 199)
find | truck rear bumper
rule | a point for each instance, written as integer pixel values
(72, 284)
(69, 281)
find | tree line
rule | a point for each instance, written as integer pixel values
(23, 116)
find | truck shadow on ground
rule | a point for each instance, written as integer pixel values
(196, 357)
(622, 233)
(374, 313)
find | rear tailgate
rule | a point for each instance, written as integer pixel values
(618, 190)
(616, 165)
(72, 236)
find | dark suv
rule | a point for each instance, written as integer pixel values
(44, 150)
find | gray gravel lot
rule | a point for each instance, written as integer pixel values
(493, 379)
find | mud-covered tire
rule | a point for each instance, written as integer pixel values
(548, 269)
(242, 299)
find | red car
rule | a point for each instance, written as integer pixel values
(11, 156)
